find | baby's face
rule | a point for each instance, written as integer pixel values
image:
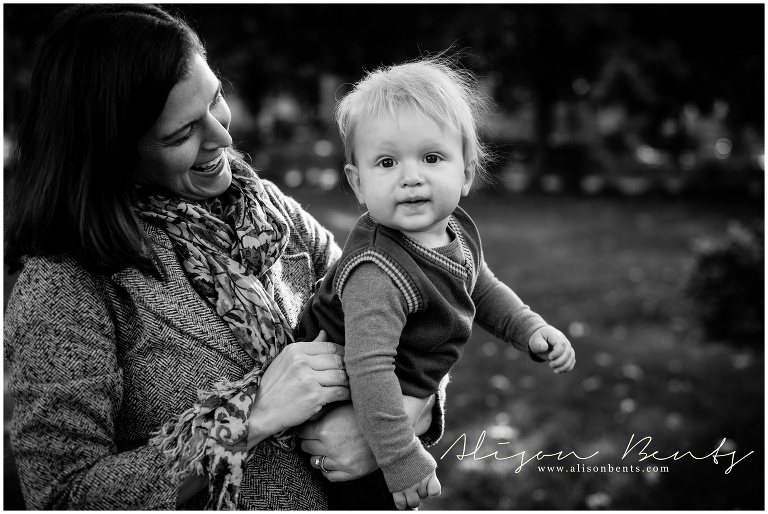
(410, 173)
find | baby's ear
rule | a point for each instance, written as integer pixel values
(353, 177)
(469, 177)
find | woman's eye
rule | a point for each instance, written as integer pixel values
(432, 159)
(186, 136)
(387, 163)
(219, 96)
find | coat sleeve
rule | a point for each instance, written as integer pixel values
(309, 233)
(60, 350)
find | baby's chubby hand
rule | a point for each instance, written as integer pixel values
(550, 344)
(411, 497)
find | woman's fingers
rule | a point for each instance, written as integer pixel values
(323, 463)
(303, 360)
(325, 361)
(338, 476)
(331, 377)
(330, 472)
(302, 379)
(311, 446)
(334, 394)
(322, 336)
(321, 344)
(338, 436)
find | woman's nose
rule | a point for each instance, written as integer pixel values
(217, 135)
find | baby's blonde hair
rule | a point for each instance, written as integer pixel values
(435, 86)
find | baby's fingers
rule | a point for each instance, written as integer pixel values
(422, 490)
(565, 362)
(537, 343)
(559, 350)
(433, 487)
(412, 498)
(400, 502)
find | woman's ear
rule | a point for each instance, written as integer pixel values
(469, 177)
(353, 177)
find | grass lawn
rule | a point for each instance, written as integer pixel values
(608, 273)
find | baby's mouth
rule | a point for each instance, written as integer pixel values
(415, 201)
(209, 166)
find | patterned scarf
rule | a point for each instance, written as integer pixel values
(227, 246)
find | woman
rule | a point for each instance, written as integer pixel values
(155, 264)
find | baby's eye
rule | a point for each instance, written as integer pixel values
(387, 163)
(432, 159)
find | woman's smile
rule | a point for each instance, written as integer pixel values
(209, 166)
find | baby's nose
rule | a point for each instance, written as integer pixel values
(411, 175)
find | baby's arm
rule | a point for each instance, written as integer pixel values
(374, 317)
(501, 312)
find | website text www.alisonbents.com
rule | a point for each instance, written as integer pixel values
(604, 468)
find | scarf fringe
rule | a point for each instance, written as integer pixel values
(176, 439)
(185, 457)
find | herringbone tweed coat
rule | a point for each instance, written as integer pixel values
(98, 363)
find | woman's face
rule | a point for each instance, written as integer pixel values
(185, 150)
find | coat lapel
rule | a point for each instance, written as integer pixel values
(174, 304)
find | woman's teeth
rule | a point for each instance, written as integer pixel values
(207, 166)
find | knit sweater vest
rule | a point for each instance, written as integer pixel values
(437, 293)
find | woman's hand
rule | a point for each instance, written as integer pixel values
(299, 382)
(338, 437)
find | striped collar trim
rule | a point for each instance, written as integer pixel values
(464, 272)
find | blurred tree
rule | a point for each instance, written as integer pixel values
(542, 49)
(268, 48)
(668, 56)
(653, 59)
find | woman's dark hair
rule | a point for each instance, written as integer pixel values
(100, 81)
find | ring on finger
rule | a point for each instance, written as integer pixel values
(320, 462)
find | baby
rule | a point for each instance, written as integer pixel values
(412, 278)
